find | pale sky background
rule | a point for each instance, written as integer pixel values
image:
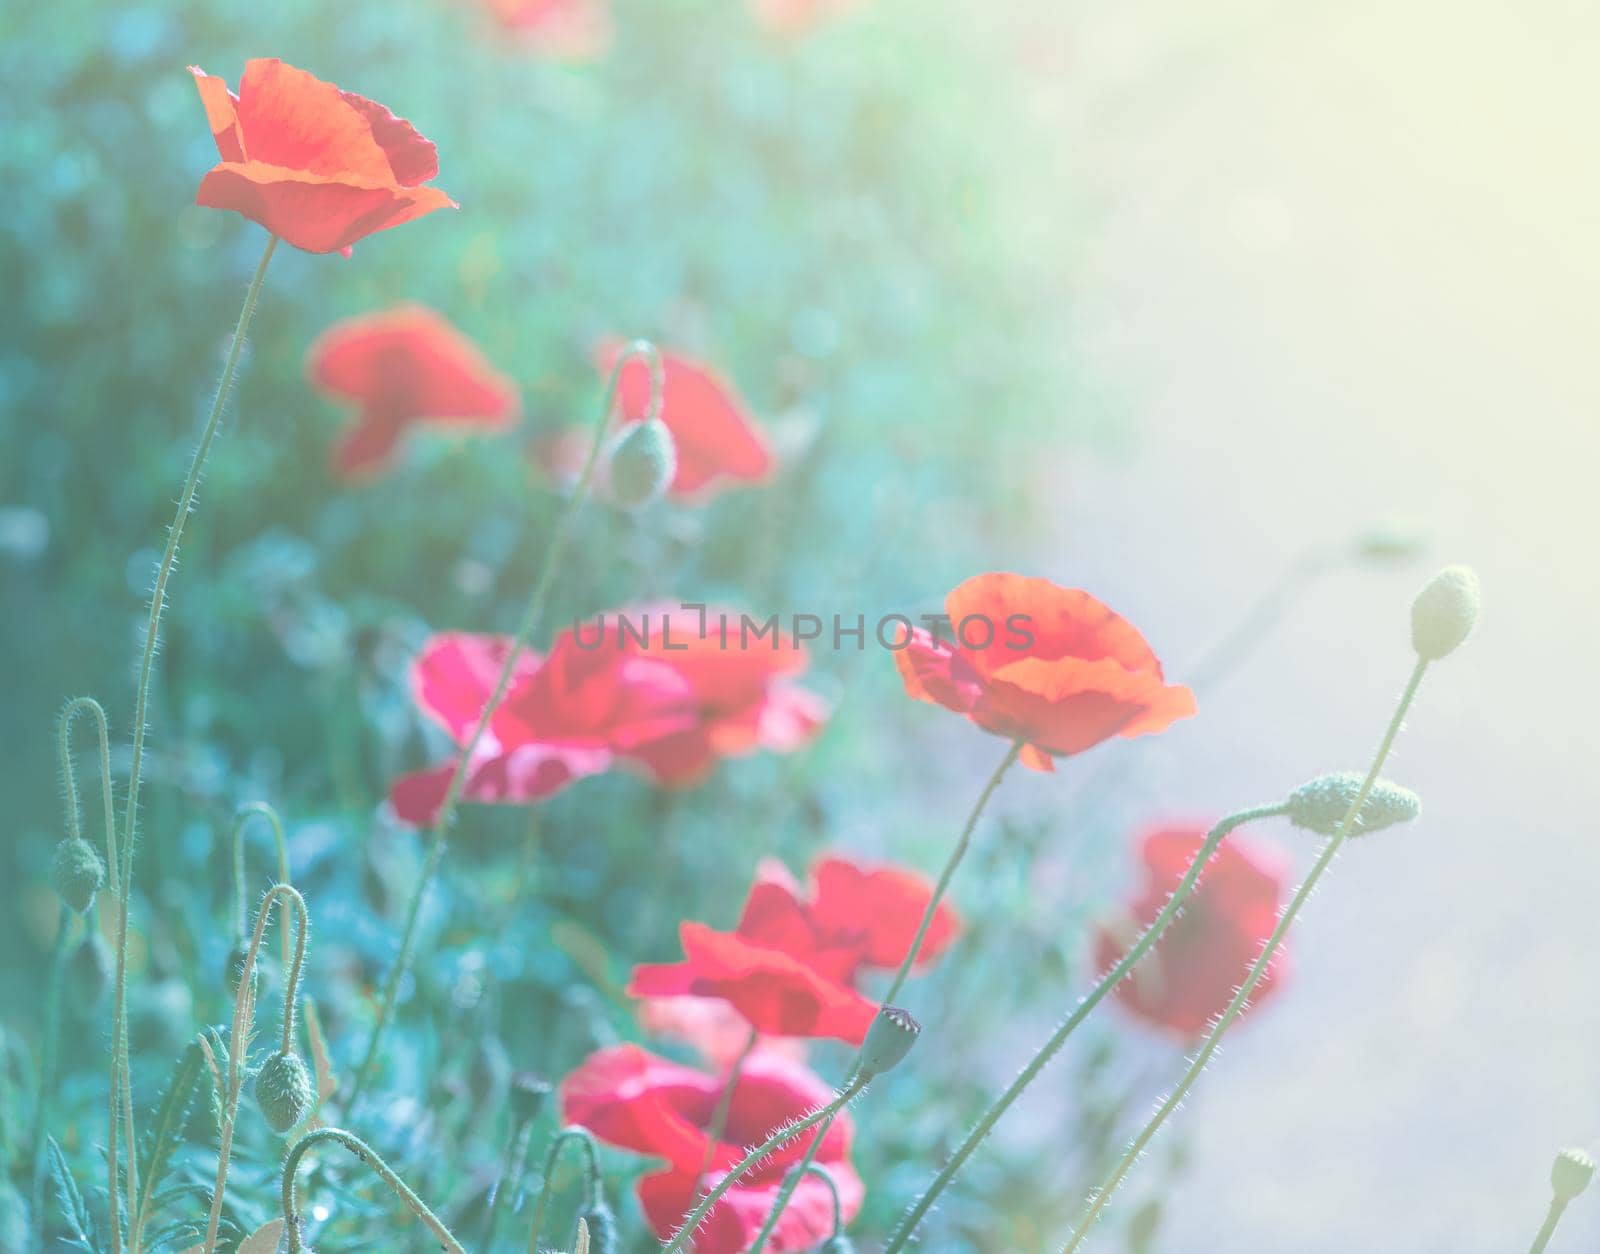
(1341, 263)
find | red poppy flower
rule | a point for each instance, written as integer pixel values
(567, 30)
(715, 1029)
(776, 991)
(403, 366)
(1029, 660)
(563, 717)
(715, 436)
(854, 916)
(633, 1099)
(318, 167)
(739, 685)
(1191, 974)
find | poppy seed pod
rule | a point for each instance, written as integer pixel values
(1320, 805)
(602, 1223)
(1444, 612)
(284, 1091)
(889, 1039)
(1571, 1173)
(77, 873)
(529, 1092)
(642, 464)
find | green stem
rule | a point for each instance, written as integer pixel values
(719, 1116)
(591, 1181)
(48, 1046)
(130, 821)
(1051, 1047)
(511, 1167)
(531, 618)
(779, 1138)
(781, 1202)
(363, 1151)
(241, 1029)
(241, 917)
(1547, 1230)
(1236, 1006)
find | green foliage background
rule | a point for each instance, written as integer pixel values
(816, 216)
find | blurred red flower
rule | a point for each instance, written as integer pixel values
(564, 717)
(1027, 659)
(567, 30)
(318, 167)
(717, 1031)
(777, 992)
(637, 1101)
(1191, 974)
(715, 436)
(854, 916)
(740, 687)
(402, 366)
(797, 17)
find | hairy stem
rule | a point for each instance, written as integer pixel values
(241, 917)
(130, 821)
(239, 1033)
(1058, 1038)
(368, 1155)
(591, 1184)
(531, 618)
(778, 1139)
(781, 1202)
(1242, 997)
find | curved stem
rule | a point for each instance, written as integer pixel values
(1236, 1006)
(781, 1202)
(130, 820)
(512, 1163)
(591, 1180)
(69, 778)
(241, 918)
(531, 617)
(48, 1046)
(1058, 1038)
(368, 1155)
(826, 1177)
(781, 1137)
(243, 1025)
(1548, 1228)
(719, 1116)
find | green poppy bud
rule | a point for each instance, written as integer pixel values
(284, 1091)
(1321, 804)
(889, 1039)
(602, 1223)
(1444, 612)
(643, 462)
(77, 873)
(1571, 1173)
(529, 1092)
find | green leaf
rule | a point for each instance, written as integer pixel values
(80, 1226)
(171, 1117)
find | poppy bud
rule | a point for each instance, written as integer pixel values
(889, 1039)
(529, 1092)
(1571, 1173)
(77, 873)
(602, 1228)
(1444, 612)
(643, 462)
(284, 1091)
(1320, 805)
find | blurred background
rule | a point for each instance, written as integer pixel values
(1154, 299)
